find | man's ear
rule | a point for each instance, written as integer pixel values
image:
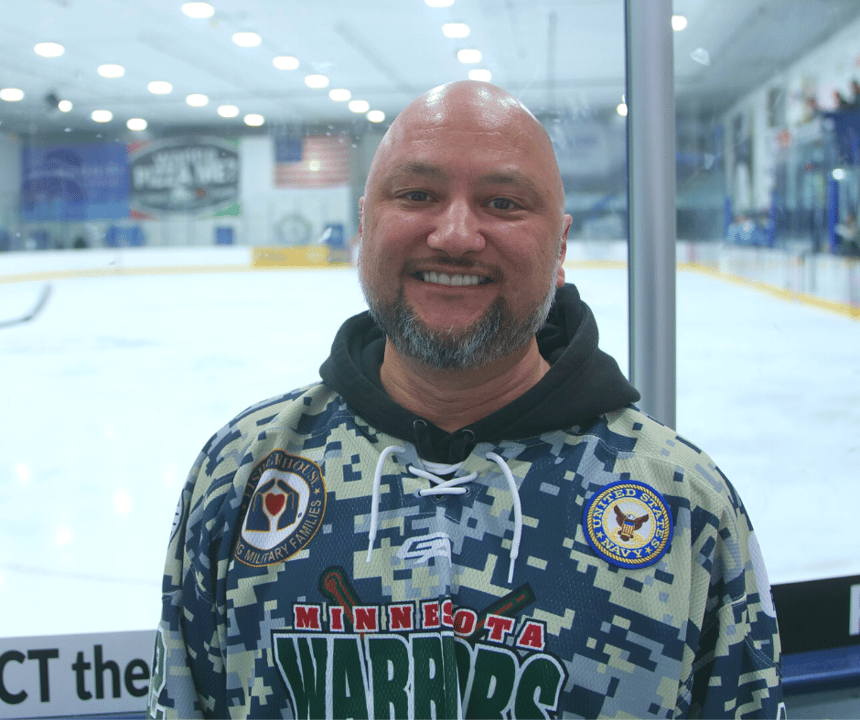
(562, 250)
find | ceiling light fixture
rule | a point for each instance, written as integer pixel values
(160, 87)
(679, 22)
(64, 106)
(102, 116)
(455, 30)
(49, 49)
(111, 71)
(285, 62)
(480, 74)
(136, 124)
(339, 94)
(621, 109)
(469, 56)
(198, 10)
(197, 100)
(11, 94)
(247, 39)
(254, 120)
(228, 111)
(359, 106)
(375, 116)
(439, 3)
(316, 81)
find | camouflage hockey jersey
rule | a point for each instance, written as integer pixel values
(607, 569)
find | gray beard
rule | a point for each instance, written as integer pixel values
(493, 336)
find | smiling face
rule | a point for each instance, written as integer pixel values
(462, 227)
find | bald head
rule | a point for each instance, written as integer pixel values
(470, 106)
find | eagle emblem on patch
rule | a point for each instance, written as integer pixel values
(628, 524)
(282, 509)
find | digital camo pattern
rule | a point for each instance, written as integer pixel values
(272, 610)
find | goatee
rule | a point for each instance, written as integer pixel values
(493, 336)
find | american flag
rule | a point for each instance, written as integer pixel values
(315, 161)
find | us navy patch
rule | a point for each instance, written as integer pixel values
(629, 524)
(283, 507)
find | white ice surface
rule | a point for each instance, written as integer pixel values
(107, 397)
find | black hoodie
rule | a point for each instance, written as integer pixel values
(582, 383)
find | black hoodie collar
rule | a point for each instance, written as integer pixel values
(582, 383)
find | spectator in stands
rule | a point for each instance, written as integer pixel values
(762, 234)
(811, 110)
(847, 233)
(855, 95)
(740, 232)
(840, 103)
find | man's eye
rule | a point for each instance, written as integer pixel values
(502, 204)
(416, 196)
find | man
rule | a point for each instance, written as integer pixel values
(467, 518)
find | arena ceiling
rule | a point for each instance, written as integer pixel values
(555, 54)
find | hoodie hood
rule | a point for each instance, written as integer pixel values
(582, 383)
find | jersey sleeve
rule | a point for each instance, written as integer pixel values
(736, 672)
(188, 670)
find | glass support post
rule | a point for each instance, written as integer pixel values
(651, 204)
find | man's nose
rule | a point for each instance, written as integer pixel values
(457, 230)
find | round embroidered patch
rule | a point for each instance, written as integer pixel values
(629, 524)
(283, 505)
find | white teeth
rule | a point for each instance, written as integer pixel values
(446, 279)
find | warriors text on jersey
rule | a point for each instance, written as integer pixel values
(321, 566)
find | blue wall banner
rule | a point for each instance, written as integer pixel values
(74, 182)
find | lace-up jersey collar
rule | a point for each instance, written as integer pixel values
(443, 479)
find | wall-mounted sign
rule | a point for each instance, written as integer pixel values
(183, 175)
(75, 675)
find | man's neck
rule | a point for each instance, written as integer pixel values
(452, 399)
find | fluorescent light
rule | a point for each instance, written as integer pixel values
(469, 56)
(359, 106)
(11, 94)
(439, 3)
(375, 116)
(228, 111)
(839, 174)
(247, 39)
(254, 120)
(102, 116)
(621, 109)
(111, 71)
(316, 81)
(160, 87)
(197, 100)
(455, 30)
(679, 22)
(285, 62)
(480, 74)
(198, 10)
(136, 124)
(49, 49)
(339, 94)
(64, 106)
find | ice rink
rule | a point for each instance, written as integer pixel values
(109, 393)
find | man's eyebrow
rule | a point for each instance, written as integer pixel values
(511, 177)
(419, 168)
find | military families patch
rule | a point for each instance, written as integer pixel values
(629, 524)
(283, 507)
